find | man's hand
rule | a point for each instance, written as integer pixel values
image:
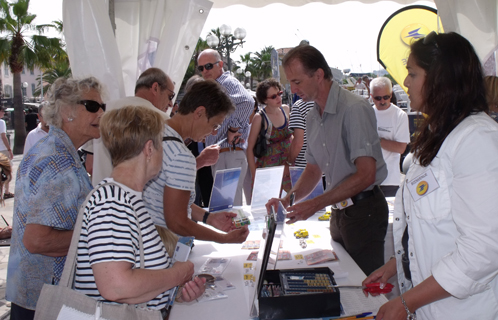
(222, 220)
(234, 137)
(301, 211)
(236, 236)
(208, 156)
(273, 202)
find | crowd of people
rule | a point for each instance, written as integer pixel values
(145, 178)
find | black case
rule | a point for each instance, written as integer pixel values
(299, 306)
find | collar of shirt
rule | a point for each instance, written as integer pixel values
(332, 99)
(62, 135)
(223, 76)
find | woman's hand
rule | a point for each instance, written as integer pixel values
(222, 220)
(184, 270)
(193, 289)
(236, 236)
(382, 275)
(392, 310)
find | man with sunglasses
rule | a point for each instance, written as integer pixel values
(344, 145)
(393, 130)
(236, 126)
(154, 90)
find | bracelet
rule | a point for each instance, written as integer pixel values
(230, 129)
(409, 315)
(206, 215)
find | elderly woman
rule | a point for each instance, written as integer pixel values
(51, 185)
(445, 223)
(269, 93)
(115, 217)
(170, 196)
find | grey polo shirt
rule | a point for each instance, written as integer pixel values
(347, 130)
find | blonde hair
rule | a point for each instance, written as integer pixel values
(125, 131)
(491, 85)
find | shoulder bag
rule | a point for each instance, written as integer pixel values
(263, 139)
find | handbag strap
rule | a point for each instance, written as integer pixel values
(68, 274)
(270, 125)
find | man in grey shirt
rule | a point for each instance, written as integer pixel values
(343, 144)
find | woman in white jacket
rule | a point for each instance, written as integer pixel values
(445, 221)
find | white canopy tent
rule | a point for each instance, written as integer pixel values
(164, 33)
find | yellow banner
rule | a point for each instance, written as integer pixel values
(400, 29)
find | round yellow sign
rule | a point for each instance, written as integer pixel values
(422, 188)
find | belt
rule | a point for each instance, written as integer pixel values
(230, 149)
(360, 196)
(365, 194)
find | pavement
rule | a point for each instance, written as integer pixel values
(7, 212)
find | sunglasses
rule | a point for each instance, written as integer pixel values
(208, 66)
(92, 106)
(430, 39)
(172, 95)
(379, 98)
(278, 94)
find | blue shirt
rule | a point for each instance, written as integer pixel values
(50, 187)
(244, 105)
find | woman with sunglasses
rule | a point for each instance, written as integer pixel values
(445, 214)
(51, 185)
(269, 93)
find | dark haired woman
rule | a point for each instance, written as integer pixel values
(269, 93)
(445, 225)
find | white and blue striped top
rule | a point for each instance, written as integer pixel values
(178, 172)
(109, 234)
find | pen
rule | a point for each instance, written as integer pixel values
(5, 221)
(220, 142)
(292, 196)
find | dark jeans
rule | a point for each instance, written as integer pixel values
(361, 230)
(20, 313)
(389, 191)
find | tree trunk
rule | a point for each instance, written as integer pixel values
(19, 124)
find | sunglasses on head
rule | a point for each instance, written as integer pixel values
(208, 66)
(379, 98)
(278, 94)
(92, 106)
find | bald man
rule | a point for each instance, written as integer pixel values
(235, 127)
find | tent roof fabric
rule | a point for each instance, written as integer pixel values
(294, 3)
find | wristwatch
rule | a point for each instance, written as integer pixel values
(206, 215)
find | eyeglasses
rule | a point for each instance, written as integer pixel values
(431, 39)
(379, 98)
(172, 95)
(275, 95)
(92, 106)
(208, 66)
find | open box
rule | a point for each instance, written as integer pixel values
(293, 293)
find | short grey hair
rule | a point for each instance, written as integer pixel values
(65, 93)
(381, 82)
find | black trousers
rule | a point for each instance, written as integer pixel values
(20, 313)
(361, 230)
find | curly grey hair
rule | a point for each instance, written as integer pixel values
(65, 94)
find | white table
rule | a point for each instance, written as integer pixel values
(240, 300)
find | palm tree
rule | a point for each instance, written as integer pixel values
(20, 49)
(262, 63)
(60, 69)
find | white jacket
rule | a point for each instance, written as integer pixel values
(453, 230)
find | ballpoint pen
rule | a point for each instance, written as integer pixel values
(221, 141)
(5, 221)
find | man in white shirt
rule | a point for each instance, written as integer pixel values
(36, 134)
(394, 133)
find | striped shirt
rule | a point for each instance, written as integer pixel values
(109, 233)
(178, 172)
(244, 106)
(298, 115)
